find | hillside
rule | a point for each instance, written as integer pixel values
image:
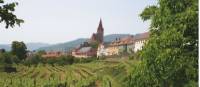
(30, 46)
(66, 46)
(112, 37)
(35, 46)
(69, 45)
(63, 46)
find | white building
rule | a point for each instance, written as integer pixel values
(140, 40)
(100, 50)
(129, 44)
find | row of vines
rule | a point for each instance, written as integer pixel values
(95, 74)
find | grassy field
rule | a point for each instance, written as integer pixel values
(104, 73)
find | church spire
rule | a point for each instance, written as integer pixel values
(100, 23)
(100, 27)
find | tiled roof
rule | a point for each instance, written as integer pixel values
(125, 40)
(130, 39)
(142, 36)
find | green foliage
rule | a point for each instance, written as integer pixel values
(19, 49)
(65, 60)
(33, 60)
(8, 58)
(149, 12)
(2, 50)
(7, 16)
(170, 58)
(15, 59)
(84, 60)
(37, 59)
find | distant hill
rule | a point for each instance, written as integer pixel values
(30, 46)
(63, 46)
(35, 46)
(66, 46)
(72, 44)
(112, 37)
(5, 46)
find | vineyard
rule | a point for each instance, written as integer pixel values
(94, 74)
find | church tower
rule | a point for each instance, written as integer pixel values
(100, 32)
(98, 37)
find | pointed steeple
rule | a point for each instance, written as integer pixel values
(100, 23)
(100, 32)
(100, 27)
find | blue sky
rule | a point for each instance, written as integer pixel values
(57, 21)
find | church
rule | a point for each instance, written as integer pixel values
(86, 49)
(98, 37)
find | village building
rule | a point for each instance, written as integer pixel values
(54, 54)
(112, 50)
(140, 40)
(119, 46)
(51, 54)
(103, 50)
(86, 49)
(84, 52)
(126, 44)
(129, 44)
(30, 53)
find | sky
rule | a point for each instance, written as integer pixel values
(57, 21)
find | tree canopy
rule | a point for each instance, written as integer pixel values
(19, 49)
(7, 16)
(170, 58)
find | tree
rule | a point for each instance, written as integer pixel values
(19, 49)
(2, 50)
(7, 16)
(170, 58)
(33, 60)
(6, 58)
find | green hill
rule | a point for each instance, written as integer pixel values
(63, 46)
(72, 44)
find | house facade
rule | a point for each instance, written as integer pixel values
(52, 54)
(140, 41)
(101, 51)
(116, 47)
(84, 52)
(112, 50)
(129, 44)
